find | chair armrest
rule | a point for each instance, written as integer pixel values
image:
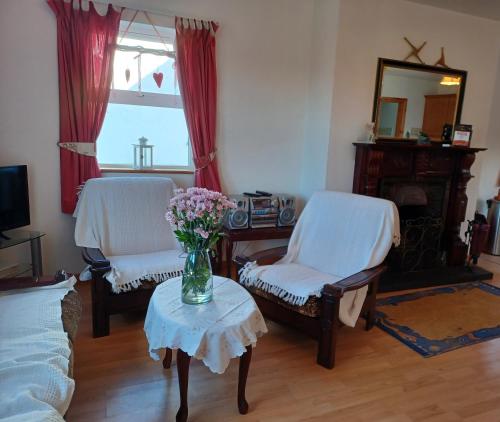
(25, 283)
(354, 282)
(266, 257)
(96, 259)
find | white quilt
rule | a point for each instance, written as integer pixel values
(338, 235)
(124, 217)
(34, 355)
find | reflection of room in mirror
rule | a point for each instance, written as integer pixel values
(414, 101)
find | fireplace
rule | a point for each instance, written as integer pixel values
(428, 185)
(422, 213)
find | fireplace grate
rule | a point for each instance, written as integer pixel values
(420, 246)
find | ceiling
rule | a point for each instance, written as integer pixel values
(484, 8)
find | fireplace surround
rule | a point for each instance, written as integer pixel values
(428, 183)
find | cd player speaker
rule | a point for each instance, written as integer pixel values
(286, 215)
(237, 218)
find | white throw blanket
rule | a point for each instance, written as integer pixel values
(154, 266)
(34, 355)
(124, 217)
(337, 235)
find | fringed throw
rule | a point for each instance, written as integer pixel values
(248, 278)
(129, 271)
(113, 276)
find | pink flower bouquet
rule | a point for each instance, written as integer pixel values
(196, 216)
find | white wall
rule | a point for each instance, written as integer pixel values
(296, 82)
(489, 181)
(263, 65)
(371, 29)
(318, 128)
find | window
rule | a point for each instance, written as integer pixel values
(138, 107)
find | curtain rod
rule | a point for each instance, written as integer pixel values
(154, 12)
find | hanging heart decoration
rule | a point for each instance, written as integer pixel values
(127, 75)
(158, 77)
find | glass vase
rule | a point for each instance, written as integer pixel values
(197, 279)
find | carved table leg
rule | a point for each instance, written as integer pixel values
(167, 360)
(183, 360)
(242, 380)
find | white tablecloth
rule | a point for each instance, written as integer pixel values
(214, 332)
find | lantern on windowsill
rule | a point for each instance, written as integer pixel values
(143, 154)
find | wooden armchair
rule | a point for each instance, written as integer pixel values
(126, 242)
(318, 318)
(330, 271)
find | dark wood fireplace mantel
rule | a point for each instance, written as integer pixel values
(379, 162)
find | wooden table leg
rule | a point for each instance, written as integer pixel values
(183, 360)
(219, 256)
(167, 360)
(242, 380)
(229, 256)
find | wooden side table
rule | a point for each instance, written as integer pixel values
(250, 234)
(214, 332)
(183, 361)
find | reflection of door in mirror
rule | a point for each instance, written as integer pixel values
(392, 115)
(438, 111)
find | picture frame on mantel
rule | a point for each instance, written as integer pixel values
(386, 101)
(462, 135)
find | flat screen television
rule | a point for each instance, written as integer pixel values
(14, 198)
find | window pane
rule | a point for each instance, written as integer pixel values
(149, 64)
(124, 124)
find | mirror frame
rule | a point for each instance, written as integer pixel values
(382, 62)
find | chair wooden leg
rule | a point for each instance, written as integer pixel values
(329, 321)
(371, 304)
(167, 360)
(100, 313)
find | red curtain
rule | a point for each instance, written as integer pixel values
(197, 73)
(85, 44)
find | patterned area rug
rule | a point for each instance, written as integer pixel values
(438, 320)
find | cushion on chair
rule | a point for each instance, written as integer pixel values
(312, 307)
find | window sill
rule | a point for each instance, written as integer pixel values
(146, 171)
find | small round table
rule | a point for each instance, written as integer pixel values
(214, 332)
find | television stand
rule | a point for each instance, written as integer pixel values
(18, 238)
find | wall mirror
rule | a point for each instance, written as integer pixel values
(414, 99)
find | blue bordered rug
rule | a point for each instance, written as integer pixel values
(442, 319)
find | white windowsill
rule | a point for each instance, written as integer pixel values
(146, 171)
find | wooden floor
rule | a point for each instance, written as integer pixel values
(377, 378)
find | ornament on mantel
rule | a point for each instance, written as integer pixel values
(158, 77)
(441, 61)
(415, 51)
